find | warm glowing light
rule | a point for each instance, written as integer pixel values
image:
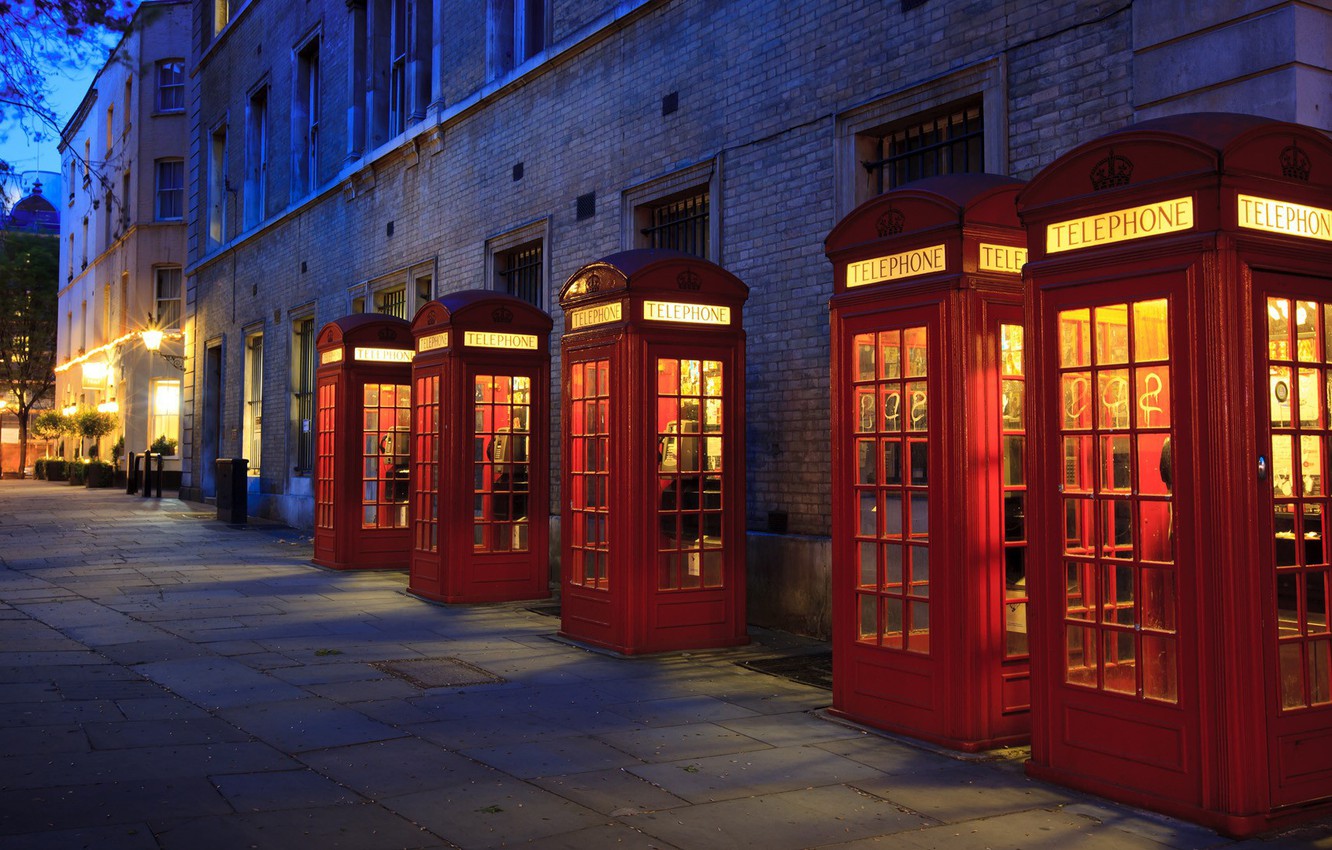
(166, 398)
(152, 339)
(1153, 219)
(71, 410)
(919, 261)
(108, 407)
(95, 372)
(1285, 217)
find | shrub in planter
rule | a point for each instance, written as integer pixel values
(164, 446)
(39, 469)
(57, 469)
(76, 471)
(99, 473)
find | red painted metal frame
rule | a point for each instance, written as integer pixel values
(1225, 754)
(454, 569)
(962, 692)
(343, 544)
(627, 612)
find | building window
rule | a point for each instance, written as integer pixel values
(221, 15)
(680, 224)
(392, 302)
(71, 256)
(305, 121)
(87, 162)
(516, 31)
(164, 412)
(108, 218)
(254, 399)
(951, 141)
(167, 294)
(170, 189)
(256, 156)
(110, 127)
(129, 91)
(303, 363)
(217, 186)
(518, 272)
(399, 33)
(171, 86)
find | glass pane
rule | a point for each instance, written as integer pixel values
(1112, 392)
(1077, 464)
(1121, 662)
(892, 462)
(1112, 334)
(1315, 553)
(913, 340)
(1080, 591)
(1012, 393)
(1155, 472)
(920, 570)
(1014, 459)
(1015, 629)
(918, 409)
(1311, 465)
(1283, 466)
(1288, 605)
(1278, 329)
(689, 377)
(1319, 693)
(1315, 603)
(1151, 337)
(868, 473)
(1115, 474)
(1160, 668)
(1153, 394)
(1283, 524)
(1078, 533)
(920, 627)
(869, 621)
(1010, 350)
(1015, 572)
(1015, 526)
(892, 622)
(892, 568)
(712, 415)
(1077, 396)
(1117, 594)
(920, 455)
(869, 568)
(863, 344)
(1080, 656)
(1292, 676)
(892, 514)
(1155, 536)
(890, 344)
(1117, 531)
(712, 378)
(1306, 331)
(1158, 600)
(892, 408)
(869, 513)
(1074, 338)
(866, 417)
(1279, 399)
(920, 514)
(1310, 396)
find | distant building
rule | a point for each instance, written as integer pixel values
(33, 214)
(122, 240)
(373, 154)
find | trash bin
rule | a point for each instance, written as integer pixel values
(232, 493)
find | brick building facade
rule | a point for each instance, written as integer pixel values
(374, 154)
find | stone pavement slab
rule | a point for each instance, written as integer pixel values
(170, 682)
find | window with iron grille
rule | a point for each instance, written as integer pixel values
(392, 302)
(951, 141)
(518, 272)
(680, 224)
(303, 398)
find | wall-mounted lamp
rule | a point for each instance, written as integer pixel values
(108, 407)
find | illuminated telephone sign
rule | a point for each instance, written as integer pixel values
(1003, 259)
(433, 341)
(496, 339)
(1123, 225)
(383, 355)
(601, 314)
(694, 314)
(333, 355)
(912, 263)
(1285, 218)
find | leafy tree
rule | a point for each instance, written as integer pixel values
(40, 37)
(50, 425)
(94, 425)
(29, 280)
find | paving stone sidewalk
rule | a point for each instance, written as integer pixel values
(168, 681)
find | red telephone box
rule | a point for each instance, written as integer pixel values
(362, 430)
(929, 535)
(653, 519)
(480, 426)
(1181, 315)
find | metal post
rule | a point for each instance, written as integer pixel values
(160, 458)
(131, 474)
(147, 471)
